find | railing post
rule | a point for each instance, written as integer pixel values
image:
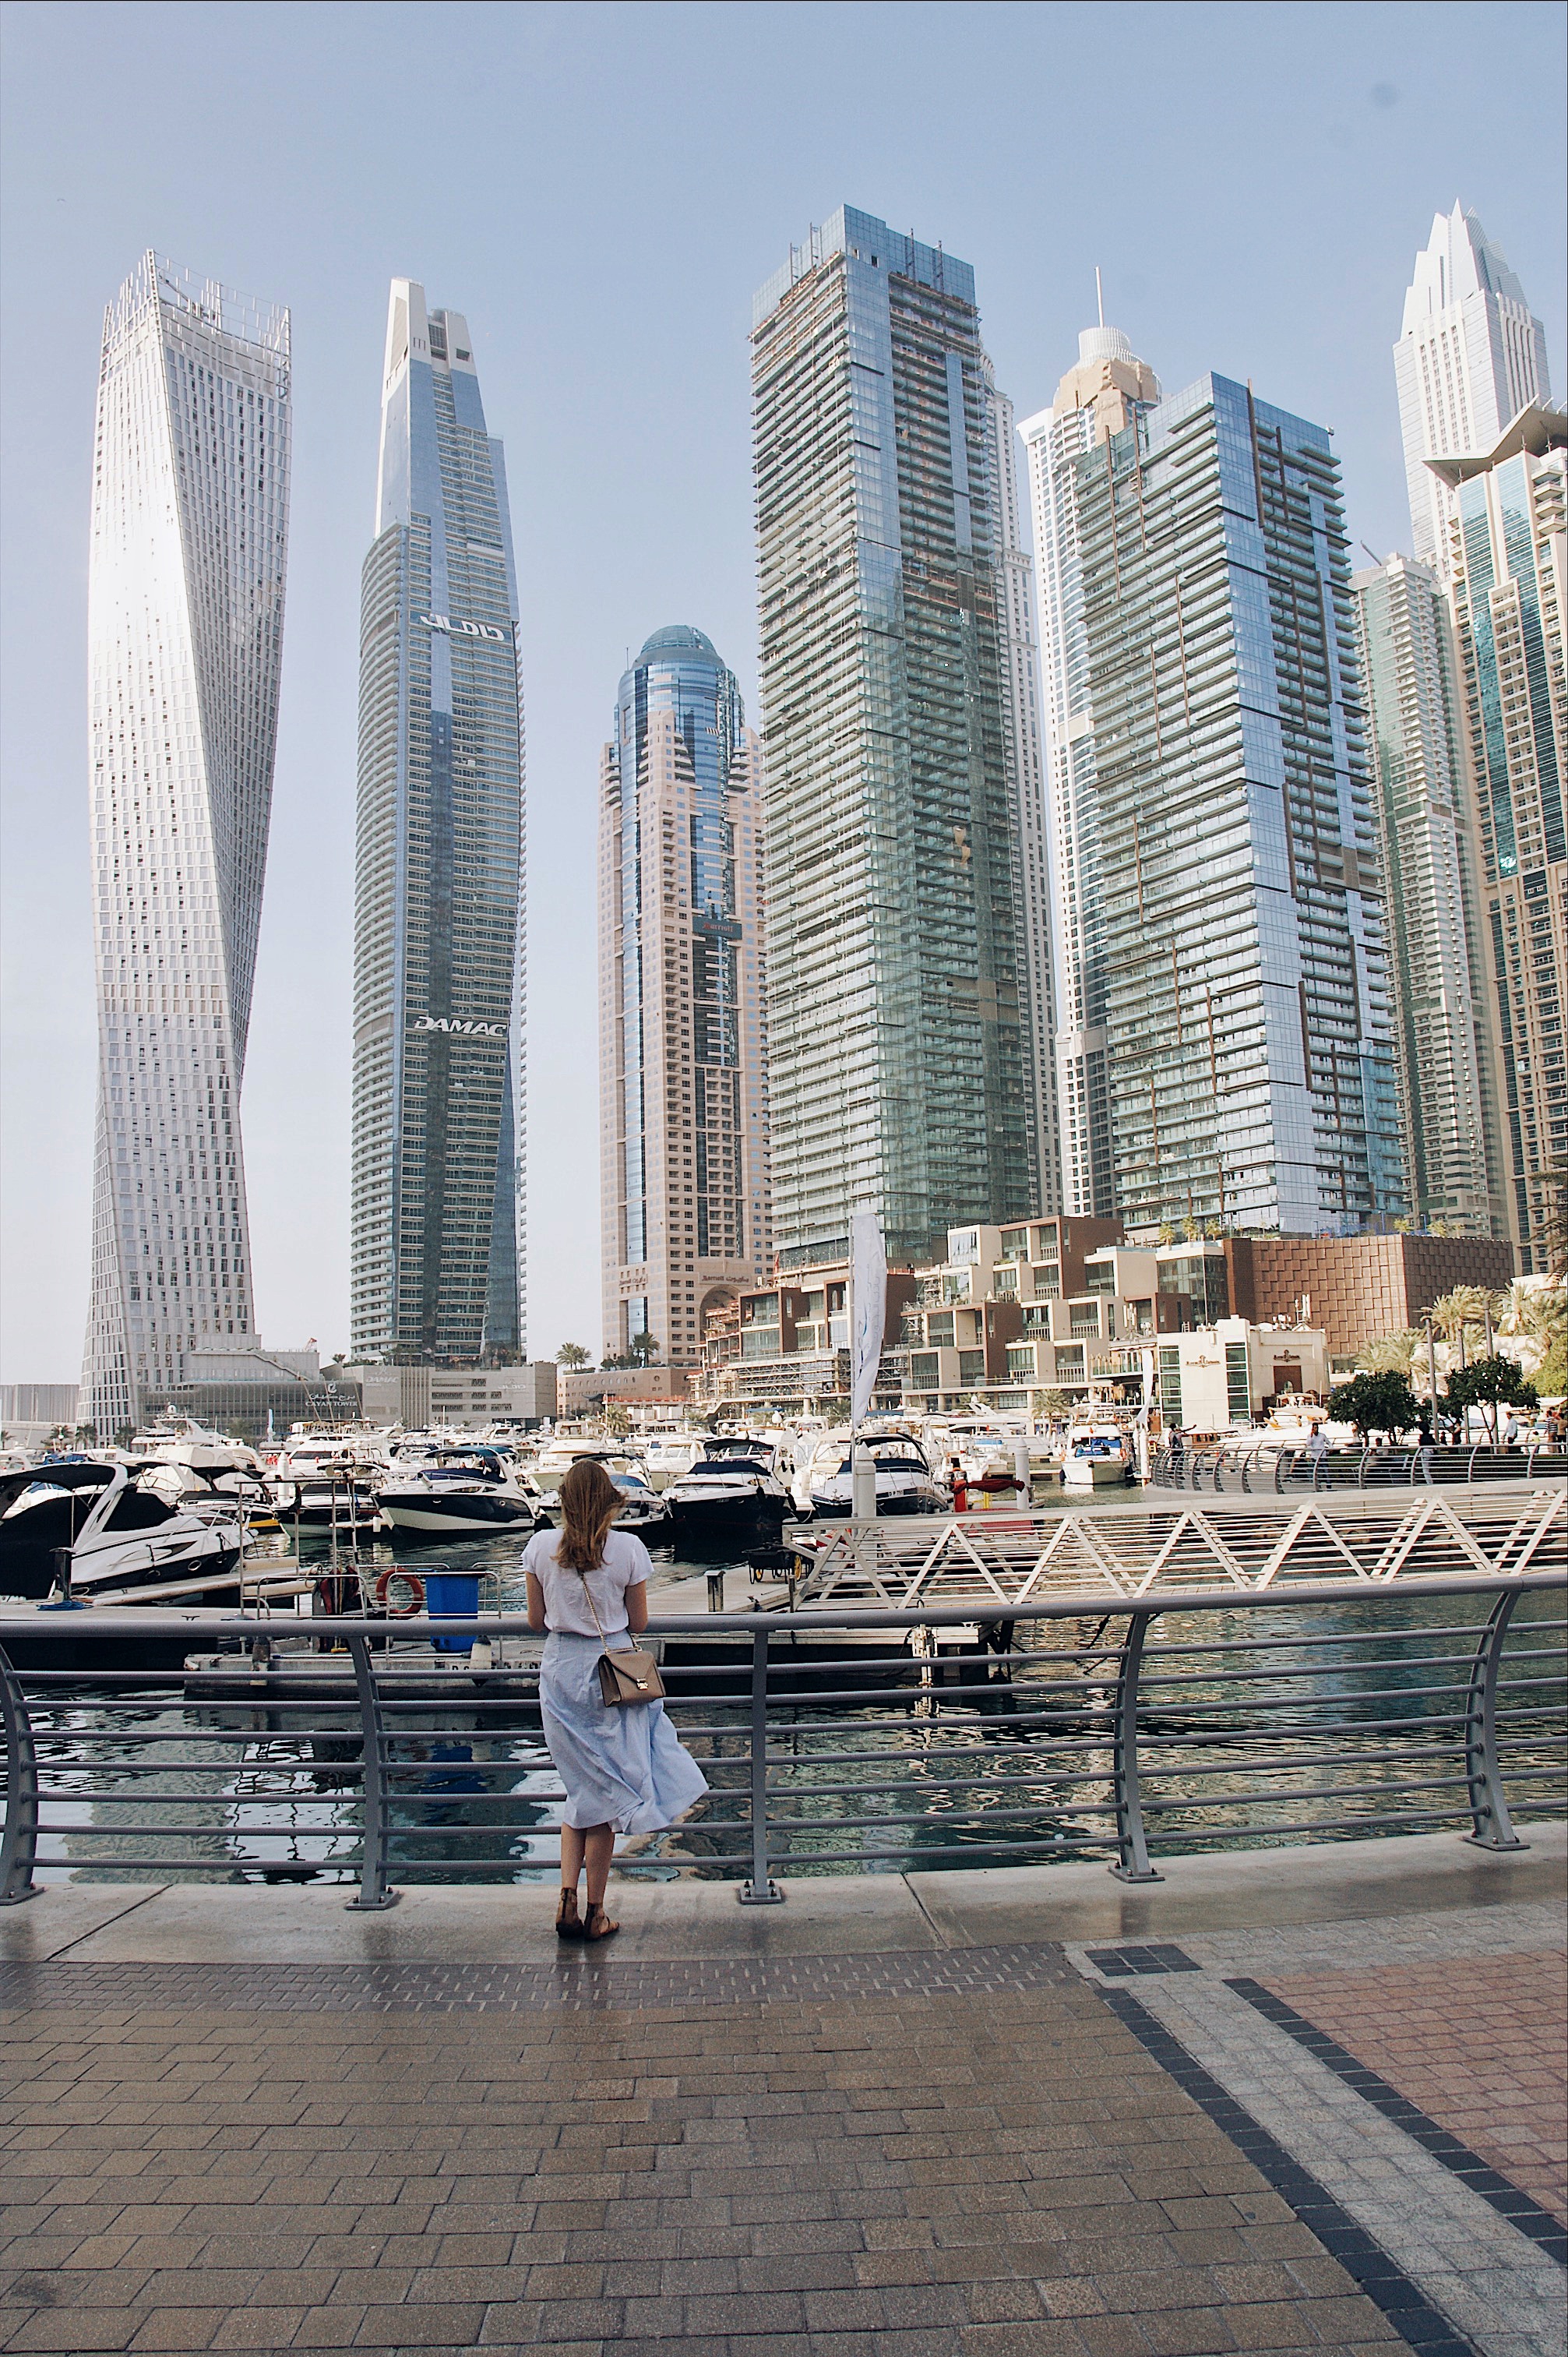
(1489, 1808)
(19, 1845)
(1133, 1865)
(373, 1891)
(761, 1890)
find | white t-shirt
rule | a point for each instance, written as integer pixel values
(626, 1565)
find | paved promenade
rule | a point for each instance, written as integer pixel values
(1305, 2099)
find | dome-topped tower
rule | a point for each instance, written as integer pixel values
(680, 639)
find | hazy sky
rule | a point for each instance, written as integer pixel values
(599, 189)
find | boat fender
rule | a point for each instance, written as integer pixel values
(408, 1584)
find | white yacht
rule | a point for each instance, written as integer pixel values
(457, 1492)
(1098, 1457)
(324, 1478)
(734, 1485)
(643, 1510)
(904, 1483)
(119, 1532)
(670, 1456)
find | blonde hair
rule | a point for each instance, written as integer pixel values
(589, 1504)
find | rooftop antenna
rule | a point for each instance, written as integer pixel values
(1099, 294)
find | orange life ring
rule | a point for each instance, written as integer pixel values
(408, 1580)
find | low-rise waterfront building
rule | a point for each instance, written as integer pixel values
(1233, 1371)
(647, 1389)
(1358, 1288)
(251, 1392)
(30, 1412)
(787, 1346)
(465, 1398)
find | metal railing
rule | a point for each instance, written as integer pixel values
(1231, 1467)
(1112, 1727)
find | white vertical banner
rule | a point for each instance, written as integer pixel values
(868, 1296)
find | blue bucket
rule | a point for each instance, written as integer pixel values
(452, 1595)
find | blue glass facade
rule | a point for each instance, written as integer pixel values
(1248, 1058)
(438, 905)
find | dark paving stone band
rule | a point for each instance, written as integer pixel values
(576, 1980)
(1519, 2208)
(1385, 2283)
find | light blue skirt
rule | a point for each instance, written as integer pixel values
(624, 1767)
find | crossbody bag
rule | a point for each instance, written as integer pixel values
(624, 1677)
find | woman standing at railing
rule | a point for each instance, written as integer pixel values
(625, 1769)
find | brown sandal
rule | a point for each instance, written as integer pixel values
(598, 1925)
(569, 1924)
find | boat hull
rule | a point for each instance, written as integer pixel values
(1096, 1473)
(447, 1518)
(908, 1501)
(739, 1511)
(28, 1570)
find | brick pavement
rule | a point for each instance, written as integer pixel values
(1481, 2043)
(977, 2171)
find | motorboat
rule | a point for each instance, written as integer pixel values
(180, 1440)
(455, 1492)
(734, 1485)
(322, 1479)
(119, 1532)
(1098, 1457)
(643, 1510)
(905, 1484)
(670, 1456)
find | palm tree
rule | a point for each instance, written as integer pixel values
(1461, 1313)
(1396, 1354)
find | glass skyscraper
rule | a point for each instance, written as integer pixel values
(1018, 672)
(185, 633)
(897, 949)
(1506, 566)
(1103, 395)
(1470, 356)
(438, 1187)
(683, 1146)
(1441, 1035)
(1247, 1046)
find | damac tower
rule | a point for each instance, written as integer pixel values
(184, 630)
(438, 885)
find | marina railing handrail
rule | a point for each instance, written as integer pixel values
(1283, 1466)
(1108, 1715)
(1091, 1603)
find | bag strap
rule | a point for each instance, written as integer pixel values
(593, 1609)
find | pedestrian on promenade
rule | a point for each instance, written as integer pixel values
(625, 1769)
(958, 1482)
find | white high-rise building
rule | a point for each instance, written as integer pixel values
(1109, 387)
(185, 629)
(1470, 356)
(1021, 719)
